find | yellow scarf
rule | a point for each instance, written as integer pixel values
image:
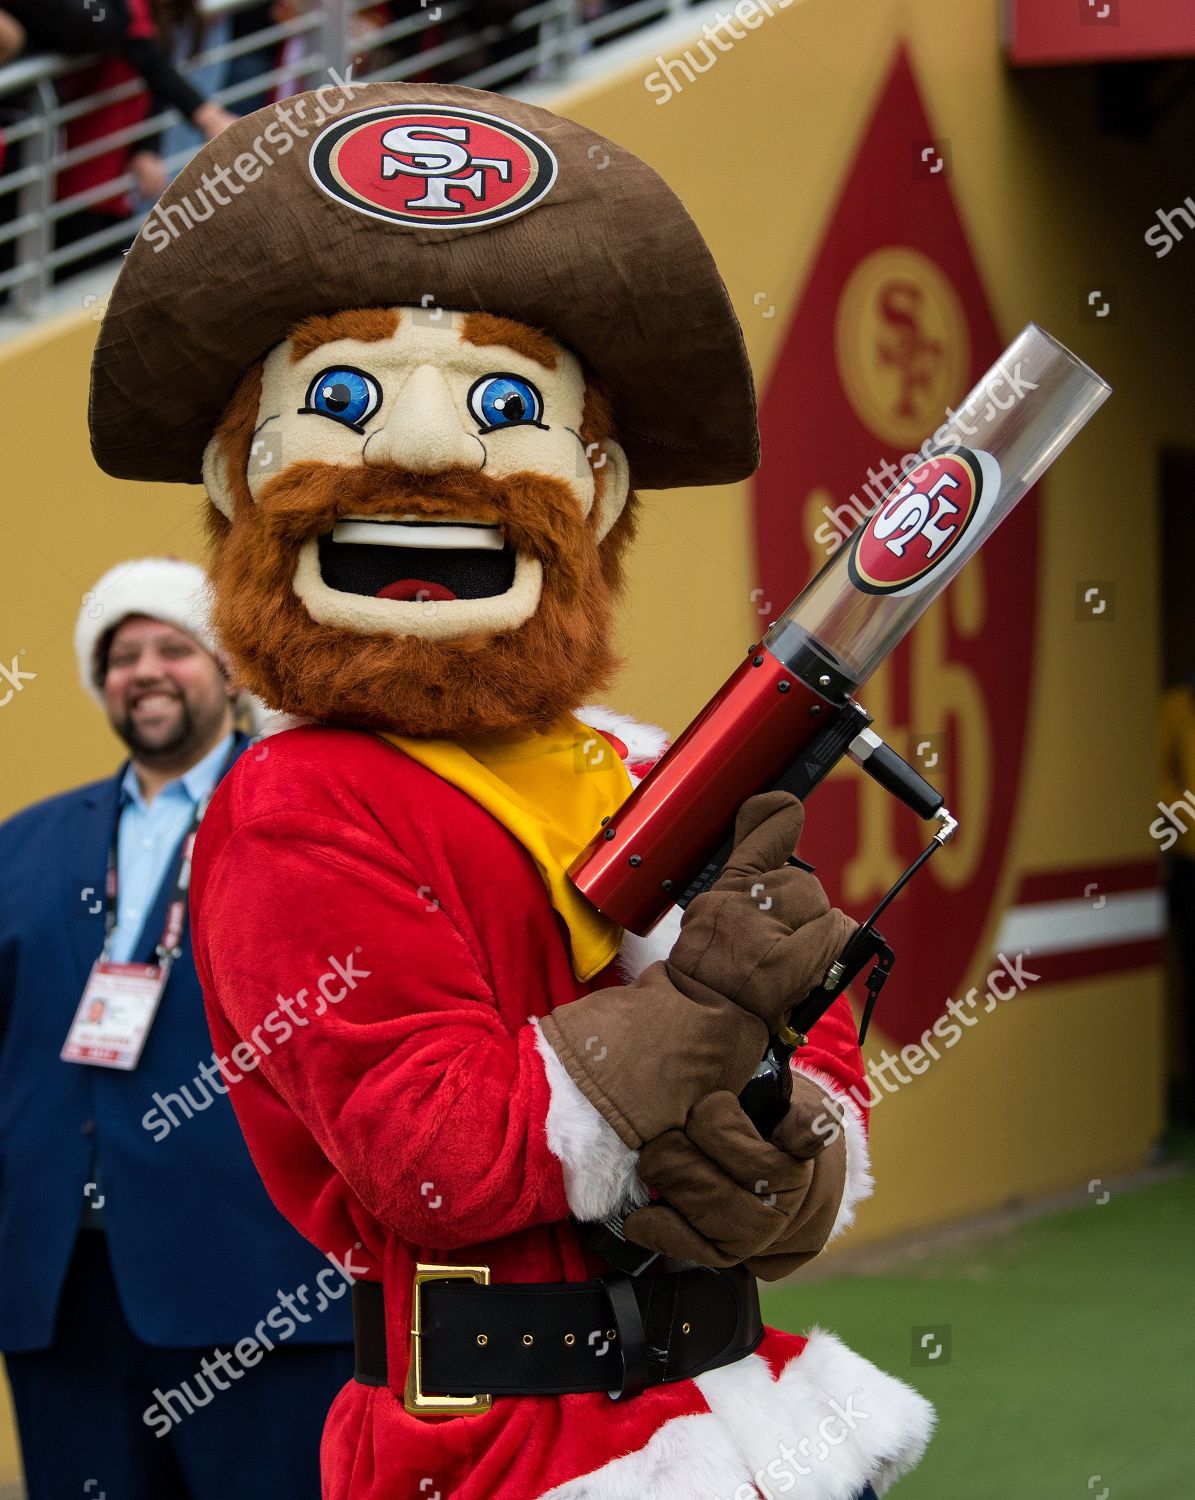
(551, 791)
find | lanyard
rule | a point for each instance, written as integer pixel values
(170, 943)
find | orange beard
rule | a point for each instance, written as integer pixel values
(525, 678)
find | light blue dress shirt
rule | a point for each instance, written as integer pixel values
(147, 839)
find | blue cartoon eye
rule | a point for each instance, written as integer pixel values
(505, 401)
(346, 395)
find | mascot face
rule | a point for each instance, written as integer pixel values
(418, 516)
(418, 521)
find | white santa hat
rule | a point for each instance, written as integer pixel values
(161, 588)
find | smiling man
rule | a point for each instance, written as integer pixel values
(130, 1255)
(163, 698)
(425, 366)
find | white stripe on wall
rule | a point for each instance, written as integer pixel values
(1067, 926)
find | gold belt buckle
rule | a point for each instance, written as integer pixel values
(414, 1398)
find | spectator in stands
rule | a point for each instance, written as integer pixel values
(251, 65)
(466, 27)
(12, 37)
(139, 31)
(12, 40)
(130, 38)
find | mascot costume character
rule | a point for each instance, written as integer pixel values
(421, 359)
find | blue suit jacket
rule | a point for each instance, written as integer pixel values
(198, 1251)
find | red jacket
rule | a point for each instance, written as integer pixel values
(108, 119)
(400, 1112)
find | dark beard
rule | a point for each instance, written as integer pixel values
(177, 748)
(523, 678)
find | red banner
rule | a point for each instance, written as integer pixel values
(892, 326)
(1087, 31)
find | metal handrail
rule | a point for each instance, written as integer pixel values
(556, 32)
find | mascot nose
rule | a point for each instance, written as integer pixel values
(423, 432)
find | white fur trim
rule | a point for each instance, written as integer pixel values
(844, 1423)
(276, 722)
(599, 1171)
(689, 1458)
(860, 1184)
(638, 953)
(162, 588)
(643, 741)
(850, 1423)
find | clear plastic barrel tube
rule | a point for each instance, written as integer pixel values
(974, 469)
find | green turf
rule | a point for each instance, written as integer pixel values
(1072, 1351)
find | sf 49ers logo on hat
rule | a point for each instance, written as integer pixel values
(438, 167)
(928, 518)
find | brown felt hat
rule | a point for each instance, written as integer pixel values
(421, 194)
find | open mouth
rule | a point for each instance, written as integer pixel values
(417, 560)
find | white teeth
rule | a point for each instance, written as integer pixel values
(474, 536)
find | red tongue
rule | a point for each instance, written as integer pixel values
(414, 588)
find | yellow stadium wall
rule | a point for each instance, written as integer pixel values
(1055, 1091)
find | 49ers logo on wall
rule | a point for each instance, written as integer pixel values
(923, 523)
(445, 167)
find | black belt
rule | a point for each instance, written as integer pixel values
(613, 1334)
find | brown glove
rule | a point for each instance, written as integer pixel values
(756, 943)
(731, 1197)
(765, 934)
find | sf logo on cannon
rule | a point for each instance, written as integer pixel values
(922, 522)
(445, 167)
